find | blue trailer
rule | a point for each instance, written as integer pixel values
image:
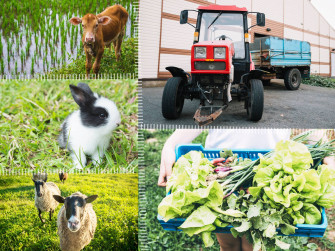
(282, 59)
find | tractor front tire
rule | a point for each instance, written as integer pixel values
(255, 102)
(173, 98)
(292, 79)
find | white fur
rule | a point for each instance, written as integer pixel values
(92, 141)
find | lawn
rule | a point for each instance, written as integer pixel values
(31, 113)
(159, 239)
(116, 208)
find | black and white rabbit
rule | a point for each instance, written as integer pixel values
(88, 130)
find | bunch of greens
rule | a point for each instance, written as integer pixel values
(285, 181)
(193, 198)
(286, 190)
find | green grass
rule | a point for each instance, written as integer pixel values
(159, 239)
(31, 113)
(109, 65)
(116, 209)
(320, 81)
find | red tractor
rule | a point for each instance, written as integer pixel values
(221, 66)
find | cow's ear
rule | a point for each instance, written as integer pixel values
(75, 20)
(104, 20)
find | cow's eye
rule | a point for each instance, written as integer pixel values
(102, 115)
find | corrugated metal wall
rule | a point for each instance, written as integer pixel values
(164, 42)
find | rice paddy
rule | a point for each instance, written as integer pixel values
(36, 36)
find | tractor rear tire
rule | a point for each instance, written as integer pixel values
(292, 79)
(173, 98)
(255, 102)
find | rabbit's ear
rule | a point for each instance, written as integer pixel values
(81, 96)
(86, 88)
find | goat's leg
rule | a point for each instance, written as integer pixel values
(88, 64)
(51, 211)
(96, 65)
(39, 215)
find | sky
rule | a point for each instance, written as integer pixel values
(326, 8)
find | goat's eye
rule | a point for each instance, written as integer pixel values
(102, 115)
(96, 26)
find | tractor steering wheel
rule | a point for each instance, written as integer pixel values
(223, 37)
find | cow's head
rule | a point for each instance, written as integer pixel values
(75, 208)
(90, 25)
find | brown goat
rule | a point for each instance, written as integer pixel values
(102, 30)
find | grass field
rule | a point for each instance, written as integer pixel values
(31, 113)
(116, 209)
(159, 239)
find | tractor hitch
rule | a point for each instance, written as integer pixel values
(205, 115)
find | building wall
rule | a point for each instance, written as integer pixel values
(165, 42)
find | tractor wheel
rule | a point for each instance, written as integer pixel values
(173, 99)
(255, 101)
(292, 79)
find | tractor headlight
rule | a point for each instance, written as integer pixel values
(200, 52)
(220, 52)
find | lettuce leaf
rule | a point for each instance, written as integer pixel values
(311, 214)
(327, 199)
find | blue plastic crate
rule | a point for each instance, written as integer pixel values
(305, 230)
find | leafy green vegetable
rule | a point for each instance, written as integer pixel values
(285, 191)
(311, 213)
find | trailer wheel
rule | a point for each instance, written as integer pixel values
(292, 79)
(255, 101)
(173, 99)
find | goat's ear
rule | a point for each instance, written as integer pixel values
(75, 20)
(59, 198)
(104, 20)
(91, 198)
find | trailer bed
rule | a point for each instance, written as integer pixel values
(279, 52)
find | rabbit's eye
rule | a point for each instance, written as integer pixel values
(102, 115)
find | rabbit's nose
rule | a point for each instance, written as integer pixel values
(118, 124)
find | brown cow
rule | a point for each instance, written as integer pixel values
(100, 31)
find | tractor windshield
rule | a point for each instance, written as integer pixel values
(221, 26)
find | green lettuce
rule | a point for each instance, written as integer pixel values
(181, 202)
(311, 214)
(190, 171)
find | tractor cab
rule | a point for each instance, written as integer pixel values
(220, 59)
(226, 29)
